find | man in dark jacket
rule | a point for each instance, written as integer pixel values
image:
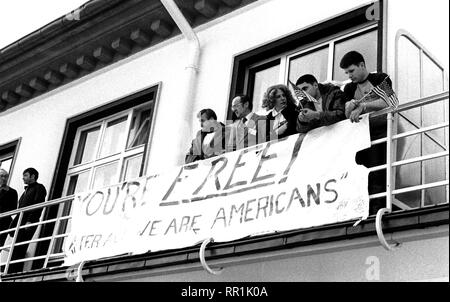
(35, 193)
(329, 109)
(362, 82)
(210, 141)
(8, 202)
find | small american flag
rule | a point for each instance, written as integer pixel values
(385, 92)
(300, 95)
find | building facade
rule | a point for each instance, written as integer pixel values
(111, 93)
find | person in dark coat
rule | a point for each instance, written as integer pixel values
(329, 108)
(210, 140)
(282, 119)
(34, 193)
(8, 202)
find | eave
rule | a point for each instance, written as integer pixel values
(96, 35)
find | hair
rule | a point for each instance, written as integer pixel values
(352, 58)
(4, 171)
(210, 114)
(268, 101)
(245, 99)
(32, 171)
(307, 78)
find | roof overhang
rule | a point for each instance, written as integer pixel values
(96, 35)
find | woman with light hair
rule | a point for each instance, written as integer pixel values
(282, 119)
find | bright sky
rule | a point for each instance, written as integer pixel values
(21, 17)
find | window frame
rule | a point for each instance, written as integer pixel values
(147, 95)
(109, 111)
(333, 28)
(423, 53)
(284, 59)
(10, 150)
(98, 161)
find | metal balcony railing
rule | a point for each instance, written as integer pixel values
(54, 255)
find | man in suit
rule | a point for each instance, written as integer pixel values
(8, 202)
(246, 131)
(34, 193)
(329, 109)
(210, 140)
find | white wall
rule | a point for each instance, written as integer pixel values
(40, 122)
(422, 256)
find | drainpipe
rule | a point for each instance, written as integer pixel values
(191, 70)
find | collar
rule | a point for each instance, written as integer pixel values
(275, 112)
(364, 81)
(30, 185)
(214, 126)
(249, 116)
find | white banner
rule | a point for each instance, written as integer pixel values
(299, 182)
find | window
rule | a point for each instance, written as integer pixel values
(320, 59)
(420, 76)
(7, 155)
(316, 49)
(365, 43)
(100, 148)
(109, 151)
(261, 78)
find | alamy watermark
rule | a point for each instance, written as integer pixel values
(373, 12)
(373, 270)
(74, 15)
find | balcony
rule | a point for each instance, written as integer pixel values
(408, 205)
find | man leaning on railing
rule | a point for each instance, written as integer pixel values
(369, 92)
(35, 193)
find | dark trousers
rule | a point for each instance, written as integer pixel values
(19, 252)
(375, 156)
(4, 225)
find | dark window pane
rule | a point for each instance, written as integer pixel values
(315, 63)
(263, 80)
(78, 183)
(433, 77)
(132, 167)
(87, 145)
(409, 77)
(433, 83)
(366, 44)
(408, 175)
(434, 171)
(140, 128)
(105, 175)
(6, 163)
(114, 135)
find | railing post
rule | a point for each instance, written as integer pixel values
(52, 241)
(389, 189)
(13, 243)
(389, 157)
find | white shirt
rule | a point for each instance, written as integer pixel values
(208, 138)
(279, 119)
(318, 105)
(248, 118)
